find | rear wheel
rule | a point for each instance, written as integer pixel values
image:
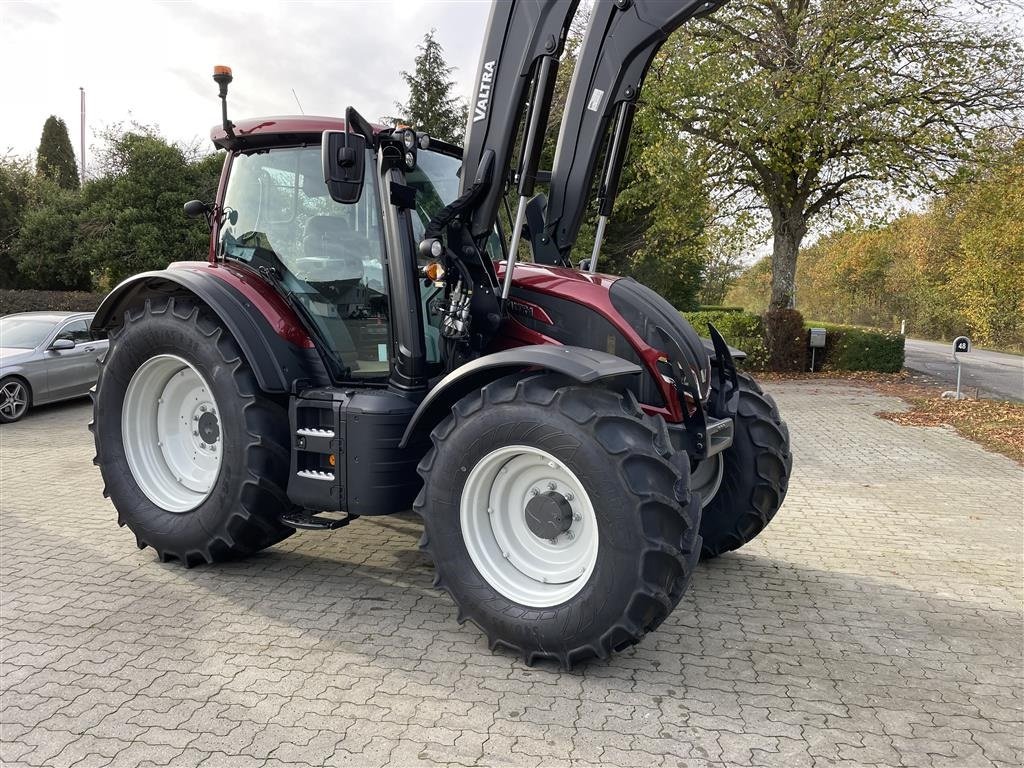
(556, 519)
(192, 453)
(744, 486)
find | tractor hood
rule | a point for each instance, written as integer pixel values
(612, 314)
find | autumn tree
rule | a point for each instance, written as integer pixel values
(55, 158)
(809, 107)
(432, 106)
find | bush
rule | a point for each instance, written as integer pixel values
(716, 308)
(786, 340)
(741, 330)
(849, 348)
(31, 301)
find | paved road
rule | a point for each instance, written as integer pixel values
(877, 621)
(995, 374)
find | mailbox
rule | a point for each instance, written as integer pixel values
(961, 344)
(817, 338)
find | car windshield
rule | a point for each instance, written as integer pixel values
(24, 332)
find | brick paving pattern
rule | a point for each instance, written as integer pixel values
(878, 621)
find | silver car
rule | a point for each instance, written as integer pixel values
(45, 357)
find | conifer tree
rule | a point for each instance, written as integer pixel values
(56, 159)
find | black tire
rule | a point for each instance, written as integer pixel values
(17, 415)
(240, 516)
(648, 522)
(755, 474)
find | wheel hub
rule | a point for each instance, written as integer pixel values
(549, 515)
(209, 428)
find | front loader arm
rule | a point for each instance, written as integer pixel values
(520, 35)
(621, 40)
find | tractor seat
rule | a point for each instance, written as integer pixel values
(329, 250)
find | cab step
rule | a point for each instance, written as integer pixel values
(308, 521)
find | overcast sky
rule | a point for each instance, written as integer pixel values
(152, 62)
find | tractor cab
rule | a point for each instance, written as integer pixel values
(278, 217)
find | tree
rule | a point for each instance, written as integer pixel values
(431, 106)
(55, 159)
(810, 106)
(126, 220)
(16, 180)
(132, 219)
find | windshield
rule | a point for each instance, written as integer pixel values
(24, 332)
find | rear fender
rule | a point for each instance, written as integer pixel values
(585, 366)
(264, 326)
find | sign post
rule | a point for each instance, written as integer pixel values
(961, 345)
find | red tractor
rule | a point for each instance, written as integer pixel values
(362, 340)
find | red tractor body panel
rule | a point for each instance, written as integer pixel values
(588, 290)
(265, 300)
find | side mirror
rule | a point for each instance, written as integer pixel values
(196, 208)
(344, 159)
(62, 343)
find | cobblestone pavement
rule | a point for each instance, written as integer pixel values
(876, 622)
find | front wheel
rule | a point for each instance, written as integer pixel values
(14, 399)
(744, 486)
(192, 453)
(556, 519)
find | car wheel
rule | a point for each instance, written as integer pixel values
(15, 398)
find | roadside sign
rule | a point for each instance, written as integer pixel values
(961, 344)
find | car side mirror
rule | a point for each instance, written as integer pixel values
(62, 343)
(344, 160)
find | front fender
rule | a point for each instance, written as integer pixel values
(577, 363)
(271, 338)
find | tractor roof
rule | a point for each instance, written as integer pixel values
(267, 131)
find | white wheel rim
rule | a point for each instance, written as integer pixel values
(706, 479)
(13, 399)
(518, 563)
(172, 433)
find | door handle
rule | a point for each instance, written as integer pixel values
(90, 349)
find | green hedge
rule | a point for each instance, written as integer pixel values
(30, 301)
(716, 308)
(741, 330)
(851, 348)
(847, 348)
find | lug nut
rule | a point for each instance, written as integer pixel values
(570, 535)
(553, 541)
(534, 492)
(576, 516)
(552, 486)
(569, 497)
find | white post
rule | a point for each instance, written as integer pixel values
(958, 378)
(903, 327)
(81, 151)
